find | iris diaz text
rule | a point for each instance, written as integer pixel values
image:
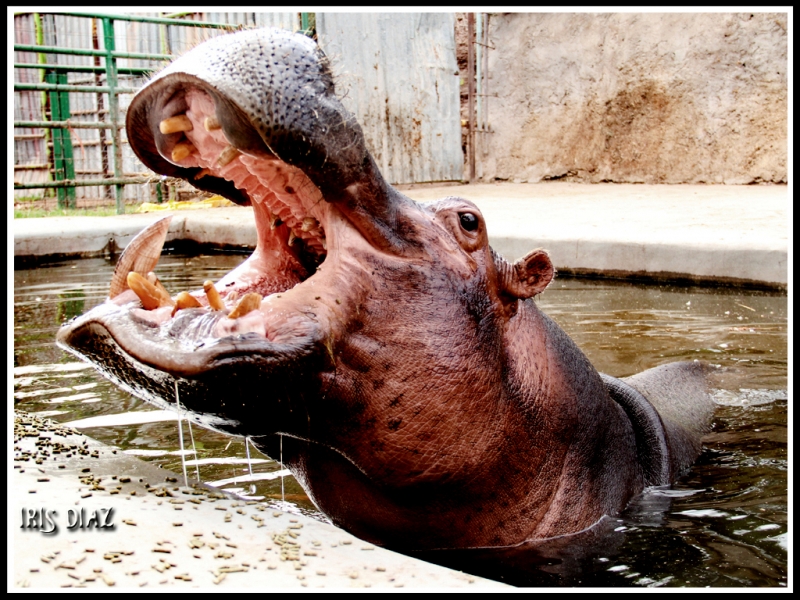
(44, 520)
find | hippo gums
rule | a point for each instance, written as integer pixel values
(422, 399)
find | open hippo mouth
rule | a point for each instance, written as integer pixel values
(251, 116)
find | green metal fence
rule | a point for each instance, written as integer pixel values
(55, 85)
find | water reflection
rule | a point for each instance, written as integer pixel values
(723, 524)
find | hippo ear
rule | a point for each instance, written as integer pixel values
(530, 275)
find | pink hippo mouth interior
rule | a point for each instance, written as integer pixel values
(291, 218)
(268, 304)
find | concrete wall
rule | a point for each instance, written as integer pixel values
(655, 98)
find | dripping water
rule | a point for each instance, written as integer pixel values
(283, 496)
(247, 443)
(194, 450)
(180, 440)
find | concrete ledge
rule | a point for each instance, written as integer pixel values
(736, 235)
(166, 535)
(672, 262)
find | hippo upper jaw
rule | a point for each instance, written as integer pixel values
(254, 117)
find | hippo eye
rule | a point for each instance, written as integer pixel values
(468, 221)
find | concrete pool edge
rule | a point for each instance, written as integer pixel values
(169, 535)
(718, 235)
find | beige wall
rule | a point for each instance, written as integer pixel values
(655, 98)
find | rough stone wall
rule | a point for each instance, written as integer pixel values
(653, 98)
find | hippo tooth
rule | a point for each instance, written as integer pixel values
(175, 124)
(211, 123)
(185, 300)
(248, 303)
(309, 223)
(324, 243)
(140, 255)
(227, 155)
(214, 301)
(274, 221)
(147, 292)
(202, 174)
(162, 291)
(292, 237)
(232, 297)
(182, 150)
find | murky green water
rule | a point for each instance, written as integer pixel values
(724, 524)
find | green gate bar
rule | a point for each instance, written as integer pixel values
(113, 108)
(63, 159)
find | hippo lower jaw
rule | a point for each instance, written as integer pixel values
(269, 324)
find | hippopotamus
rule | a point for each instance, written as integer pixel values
(399, 366)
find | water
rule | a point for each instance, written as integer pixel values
(724, 524)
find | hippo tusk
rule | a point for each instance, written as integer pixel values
(164, 295)
(182, 150)
(227, 156)
(141, 255)
(211, 124)
(248, 303)
(176, 124)
(185, 300)
(148, 293)
(214, 301)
